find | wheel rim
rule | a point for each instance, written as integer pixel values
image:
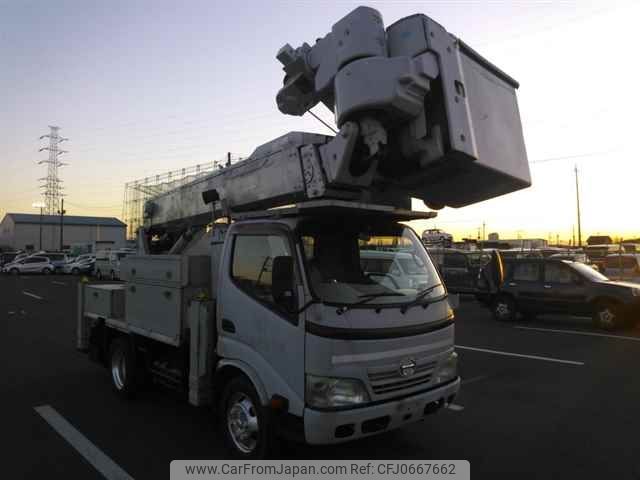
(118, 369)
(242, 422)
(606, 317)
(502, 309)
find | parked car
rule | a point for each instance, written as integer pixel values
(541, 286)
(58, 259)
(401, 269)
(625, 266)
(107, 264)
(597, 254)
(32, 264)
(8, 257)
(435, 236)
(83, 264)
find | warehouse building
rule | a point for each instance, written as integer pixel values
(24, 231)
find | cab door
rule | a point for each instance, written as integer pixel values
(525, 284)
(256, 325)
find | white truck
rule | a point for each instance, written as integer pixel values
(248, 291)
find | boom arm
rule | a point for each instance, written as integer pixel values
(420, 115)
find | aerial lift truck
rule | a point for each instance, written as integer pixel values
(250, 292)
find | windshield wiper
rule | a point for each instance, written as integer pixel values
(367, 297)
(419, 296)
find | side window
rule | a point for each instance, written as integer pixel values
(526, 272)
(556, 273)
(455, 260)
(253, 262)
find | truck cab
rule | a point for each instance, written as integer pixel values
(352, 353)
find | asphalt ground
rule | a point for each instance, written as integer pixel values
(551, 398)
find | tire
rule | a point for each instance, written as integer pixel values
(245, 424)
(606, 316)
(98, 274)
(528, 316)
(46, 271)
(75, 271)
(122, 367)
(504, 309)
(112, 275)
(14, 271)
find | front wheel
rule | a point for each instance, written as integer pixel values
(46, 271)
(75, 271)
(606, 315)
(14, 271)
(504, 309)
(245, 423)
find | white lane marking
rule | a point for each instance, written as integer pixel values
(455, 407)
(107, 467)
(473, 379)
(29, 294)
(367, 357)
(520, 355)
(578, 332)
(59, 283)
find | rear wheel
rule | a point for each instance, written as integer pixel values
(122, 366)
(46, 271)
(75, 271)
(244, 422)
(504, 309)
(14, 271)
(606, 315)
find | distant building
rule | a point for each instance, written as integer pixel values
(599, 240)
(21, 231)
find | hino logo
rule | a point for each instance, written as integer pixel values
(407, 367)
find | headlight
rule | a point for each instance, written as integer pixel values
(447, 370)
(326, 392)
(635, 292)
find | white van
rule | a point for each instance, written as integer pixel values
(108, 263)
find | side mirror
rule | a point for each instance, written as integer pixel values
(282, 282)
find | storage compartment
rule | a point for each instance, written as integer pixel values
(157, 309)
(105, 301)
(168, 270)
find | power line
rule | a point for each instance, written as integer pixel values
(579, 155)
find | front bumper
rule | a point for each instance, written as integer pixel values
(324, 427)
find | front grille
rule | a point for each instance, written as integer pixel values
(388, 379)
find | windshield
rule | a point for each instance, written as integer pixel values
(589, 272)
(367, 264)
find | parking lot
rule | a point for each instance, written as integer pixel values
(551, 398)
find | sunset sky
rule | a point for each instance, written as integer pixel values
(144, 87)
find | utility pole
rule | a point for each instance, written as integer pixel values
(62, 211)
(573, 236)
(484, 228)
(578, 208)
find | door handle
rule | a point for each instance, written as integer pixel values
(228, 326)
(547, 286)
